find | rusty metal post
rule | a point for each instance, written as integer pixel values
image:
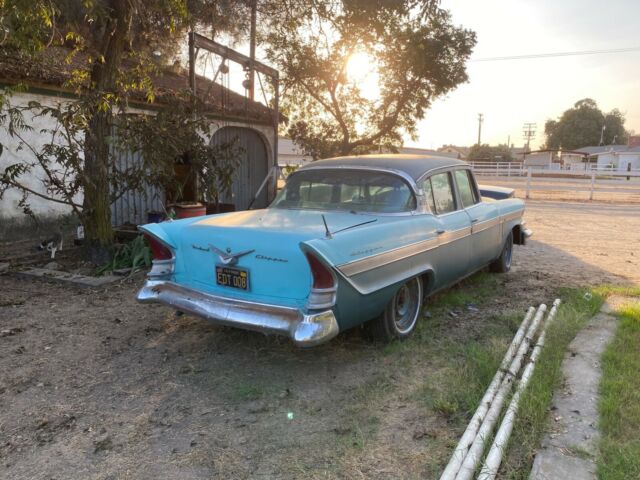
(192, 63)
(252, 50)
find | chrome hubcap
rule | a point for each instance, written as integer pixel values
(406, 305)
(507, 254)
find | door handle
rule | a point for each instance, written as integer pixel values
(439, 232)
(474, 220)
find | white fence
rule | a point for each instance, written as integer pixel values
(589, 181)
(518, 169)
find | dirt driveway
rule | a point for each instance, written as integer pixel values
(95, 386)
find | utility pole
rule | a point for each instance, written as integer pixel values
(480, 120)
(604, 127)
(528, 133)
(252, 50)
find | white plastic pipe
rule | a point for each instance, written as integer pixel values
(472, 429)
(494, 457)
(474, 455)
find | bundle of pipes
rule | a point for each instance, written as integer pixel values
(468, 453)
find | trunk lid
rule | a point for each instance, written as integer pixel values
(266, 245)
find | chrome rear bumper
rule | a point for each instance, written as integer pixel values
(304, 328)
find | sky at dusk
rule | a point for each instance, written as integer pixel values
(512, 92)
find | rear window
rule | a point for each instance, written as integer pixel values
(351, 190)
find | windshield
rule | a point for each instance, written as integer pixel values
(351, 190)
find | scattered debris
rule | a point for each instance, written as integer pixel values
(4, 268)
(421, 432)
(11, 332)
(103, 445)
(66, 277)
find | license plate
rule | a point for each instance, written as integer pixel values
(232, 277)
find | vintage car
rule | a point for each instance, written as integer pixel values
(348, 241)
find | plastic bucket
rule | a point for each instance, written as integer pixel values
(155, 217)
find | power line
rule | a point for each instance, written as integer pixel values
(557, 54)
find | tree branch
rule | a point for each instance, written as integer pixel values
(38, 194)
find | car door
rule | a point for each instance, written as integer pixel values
(454, 227)
(485, 221)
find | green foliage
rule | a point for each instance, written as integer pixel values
(27, 24)
(179, 132)
(620, 400)
(105, 35)
(134, 255)
(416, 55)
(501, 153)
(581, 126)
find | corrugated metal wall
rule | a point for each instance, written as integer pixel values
(253, 168)
(133, 206)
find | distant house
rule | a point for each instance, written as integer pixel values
(615, 157)
(547, 159)
(232, 116)
(460, 153)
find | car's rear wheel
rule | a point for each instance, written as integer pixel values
(503, 263)
(401, 313)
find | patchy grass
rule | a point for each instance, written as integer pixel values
(577, 307)
(475, 290)
(620, 399)
(435, 379)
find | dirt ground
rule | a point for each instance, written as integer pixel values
(96, 386)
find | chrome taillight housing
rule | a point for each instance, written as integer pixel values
(324, 286)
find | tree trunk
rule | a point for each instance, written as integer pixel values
(97, 203)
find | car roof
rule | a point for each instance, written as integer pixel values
(413, 165)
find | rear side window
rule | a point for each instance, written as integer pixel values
(441, 188)
(428, 193)
(465, 188)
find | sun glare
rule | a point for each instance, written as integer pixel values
(361, 71)
(358, 66)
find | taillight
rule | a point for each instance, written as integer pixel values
(158, 250)
(322, 277)
(324, 288)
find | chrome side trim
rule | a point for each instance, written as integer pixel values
(512, 216)
(378, 260)
(485, 225)
(355, 267)
(306, 329)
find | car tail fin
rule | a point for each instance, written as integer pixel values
(163, 262)
(158, 249)
(324, 286)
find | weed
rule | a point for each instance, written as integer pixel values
(133, 255)
(245, 392)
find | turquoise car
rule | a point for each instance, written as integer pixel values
(348, 241)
